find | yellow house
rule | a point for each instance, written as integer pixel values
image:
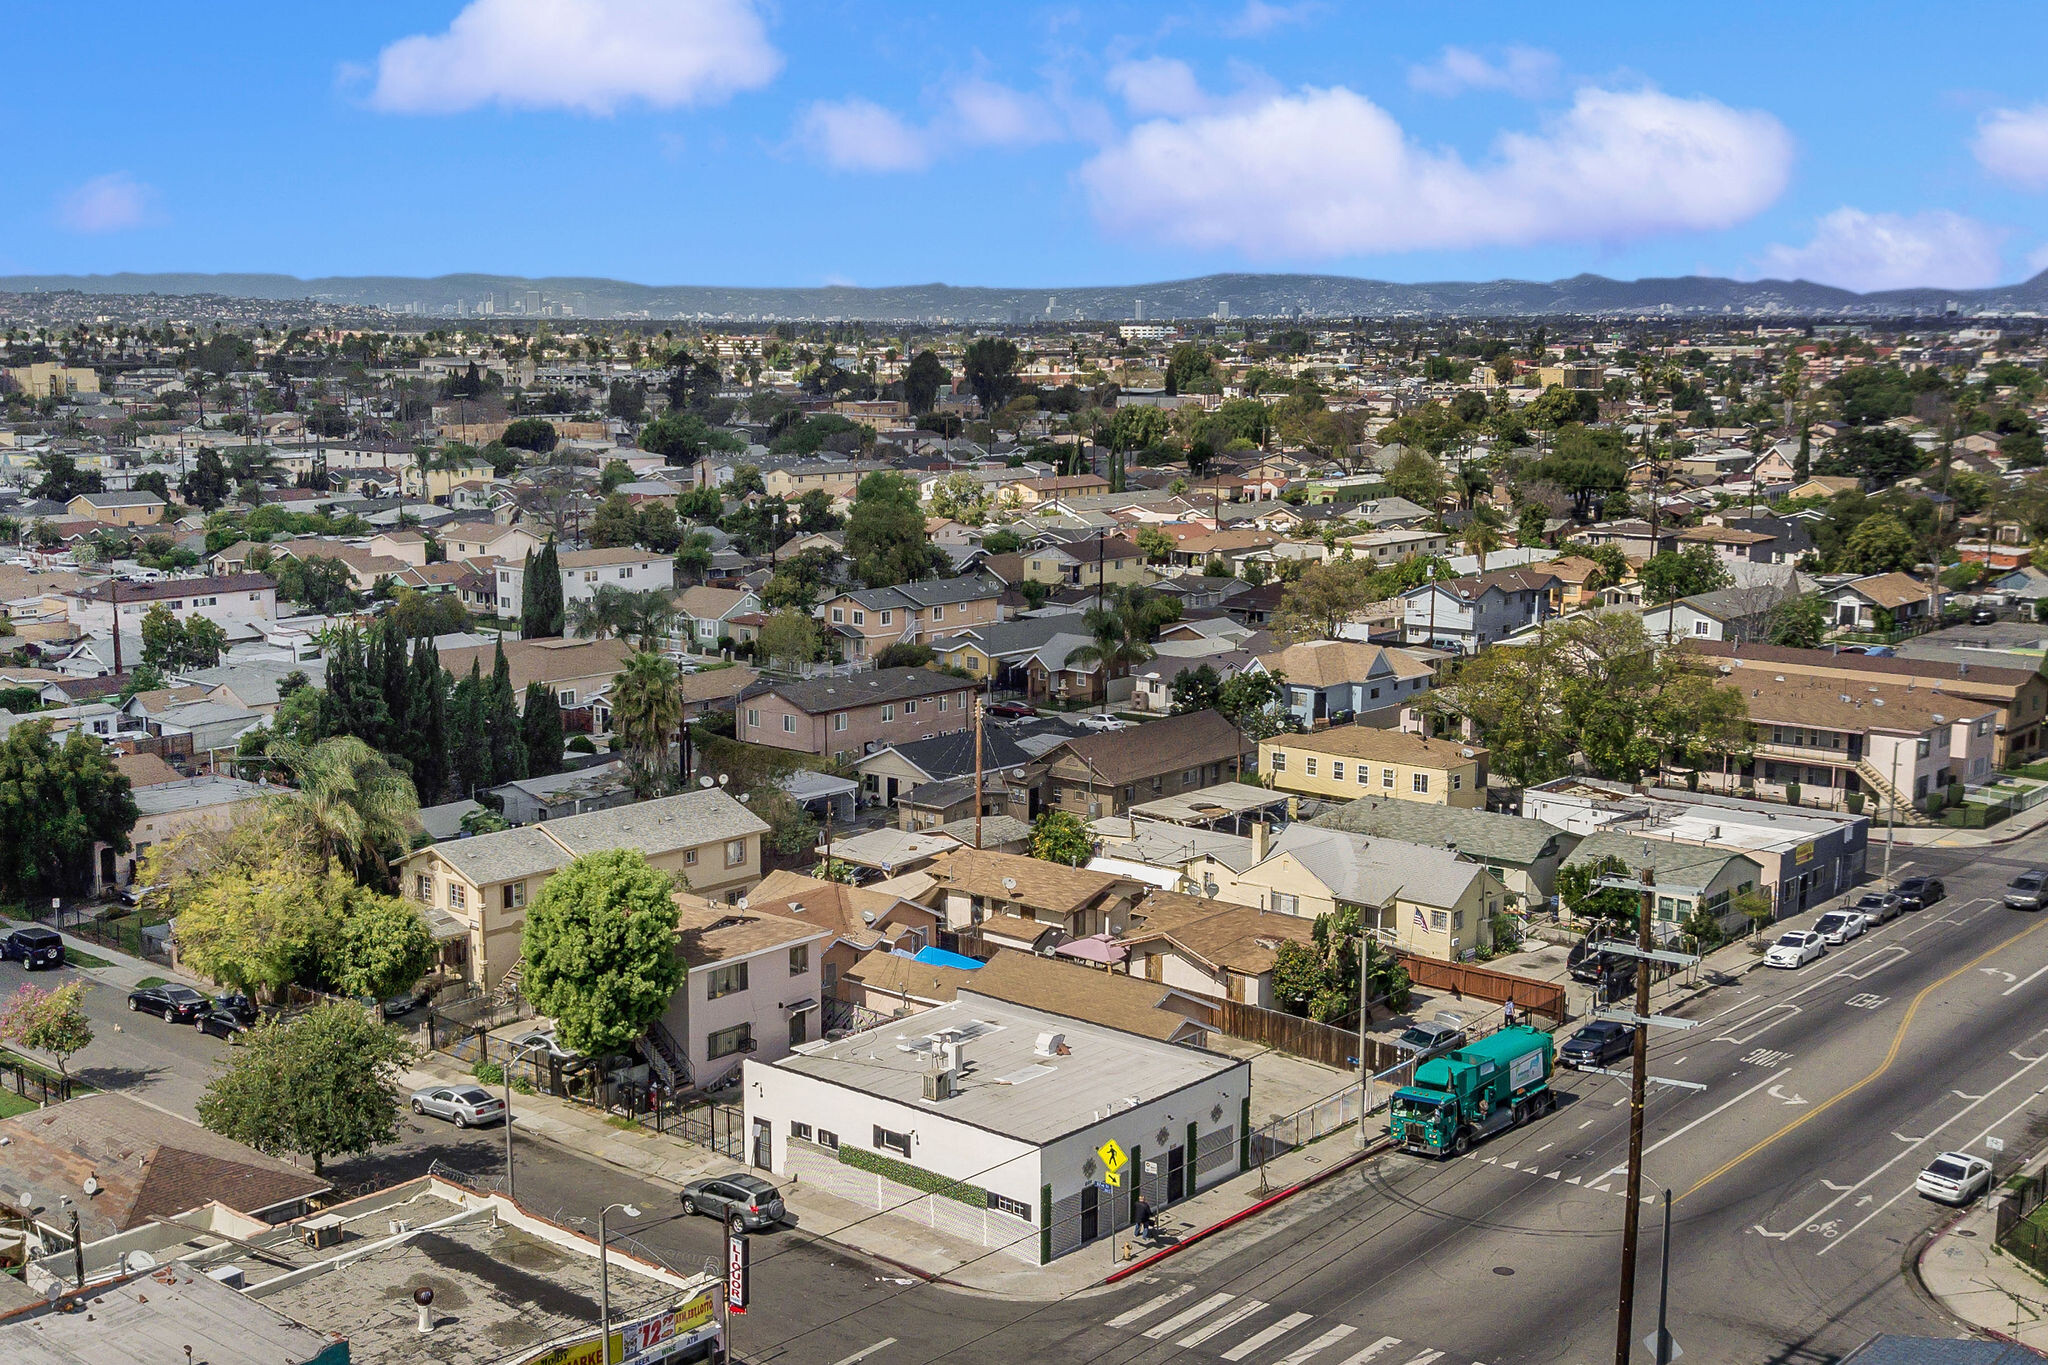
(1355, 760)
(118, 509)
(963, 651)
(1076, 563)
(51, 379)
(440, 483)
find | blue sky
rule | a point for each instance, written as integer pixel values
(725, 141)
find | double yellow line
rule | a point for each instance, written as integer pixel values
(1891, 1055)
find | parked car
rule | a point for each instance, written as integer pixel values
(542, 1043)
(1954, 1178)
(1796, 948)
(463, 1105)
(1103, 721)
(2025, 891)
(1839, 926)
(1878, 907)
(33, 947)
(1587, 961)
(234, 1003)
(1917, 893)
(405, 1002)
(1010, 710)
(1983, 616)
(172, 1004)
(747, 1198)
(1431, 1038)
(221, 1024)
(1597, 1044)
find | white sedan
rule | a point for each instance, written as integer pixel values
(1796, 948)
(1954, 1178)
(1839, 926)
(1104, 721)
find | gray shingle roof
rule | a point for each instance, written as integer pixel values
(1373, 871)
(1682, 867)
(863, 689)
(673, 822)
(1483, 834)
(502, 856)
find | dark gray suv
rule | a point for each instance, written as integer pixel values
(748, 1199)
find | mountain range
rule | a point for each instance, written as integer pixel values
(1244, 295)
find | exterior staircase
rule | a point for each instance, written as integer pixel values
(667, 1058)
(507, 990)
(1909, 813)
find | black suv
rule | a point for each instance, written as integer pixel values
(1917, 893)
(1597, 1044)
(33, 947)
(173, 1004)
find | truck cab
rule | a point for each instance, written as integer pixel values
(1499, 1082)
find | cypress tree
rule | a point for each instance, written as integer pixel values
(501, 723)
(472, 745)
(541, 609)
(426, 715)
(388, 668)
(541, 729)
(352, 705)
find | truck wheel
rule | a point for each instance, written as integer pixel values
(1461, 1144)
(1521, 1113)
(1550, 1101)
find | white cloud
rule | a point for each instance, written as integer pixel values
(2037, 260)
(1852, 249)
(1327, 173)
(1525, 71)
(2012, 144)
(591, 56)
(1259, 16)
(991, 115)
(860, 135)
(106, 203)
(1158, 85)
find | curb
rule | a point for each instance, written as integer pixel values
(1379, 1148)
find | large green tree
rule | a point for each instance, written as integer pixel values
(922, 381)
(540, 728)
(885, 534)
(352, 803)
(540, 608)
(647, 713)
(57, 801)
(599, 948)
(322, 1085)
(990, 367)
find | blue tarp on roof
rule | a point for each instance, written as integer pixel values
(939, 957)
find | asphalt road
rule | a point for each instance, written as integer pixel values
(168, 1065)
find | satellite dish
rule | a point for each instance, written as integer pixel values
(91, 1185)
(1009, 883)
(704, 782)
(741, 902)
(137, 1260)
(54, 1290)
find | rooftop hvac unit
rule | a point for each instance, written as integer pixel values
(1051, 1044)
(229, 1275)
(939, 1085)
(320, 1233)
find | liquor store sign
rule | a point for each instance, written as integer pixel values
(643, 1341)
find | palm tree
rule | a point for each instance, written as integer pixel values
(607, 612)
(647, 708)
(352, 805)
(1122, 632)
(1482, 535)
(653, 613)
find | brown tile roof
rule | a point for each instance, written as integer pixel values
(1077, 992)
(1041, 886)
(1158, 746)
(1241, 938)
(717, 684)
(1824, 703)
(543, 660)
(1890, 590)
(708, 932)
(896, 975)
(835, 906)
(178, 587)
(1958, 678)
(145, 770)
(1326, 663)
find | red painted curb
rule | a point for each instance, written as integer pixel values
(1297, 1187)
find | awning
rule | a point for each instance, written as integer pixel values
(1095, 948)
(799, 1006)
(444, 926)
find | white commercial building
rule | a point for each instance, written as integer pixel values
(987, 1121)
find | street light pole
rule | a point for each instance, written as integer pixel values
(1891, 820)
(1632, 1215)
(604, 1282)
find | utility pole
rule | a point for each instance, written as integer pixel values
(114, 599)
(1364, 977)
(1631, 1218)
(1664, 1286)
(977, 771)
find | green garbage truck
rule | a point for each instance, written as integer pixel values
(1500, 1081)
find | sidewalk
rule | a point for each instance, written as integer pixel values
(907, 1244)
(1983, 1287)
(122, 971)
(1940, 836)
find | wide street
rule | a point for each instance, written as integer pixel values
(1825, 1091)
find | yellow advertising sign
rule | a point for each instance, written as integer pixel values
(649, 1338)
(1803, 854)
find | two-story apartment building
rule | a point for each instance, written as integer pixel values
(869, 620)
(708, 615)
(1349, 761)
(845, 717)
(1106, 774)
(752, 989)
(837, 477)
(486, 883)
(118, 509)
(1523, 853)
(1467, 614)
(1006, 900)
(1110, 560)
(574, 670)
(585, 571)
(1333, 681)
(227, 600)
(487, 540)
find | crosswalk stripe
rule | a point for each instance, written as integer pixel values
(1263, 1338)
(1373, 1350)
(1426, 1357)
(1321, 1343)
(1188, 1315)
(1150, 1306)
(1244, 1309)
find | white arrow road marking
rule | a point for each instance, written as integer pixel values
(1838, 1189)
(1244, 1309)
(1321, 1343)
(1261, 1338)
(1373, 1350)
(1759, 1229)
(1795, 1099)
(1961, 1096)
(1426, 1357)
(1903, 1138)
(1573, 1181)
(1188, 1315)
(1149, 1307)
(1993, 971)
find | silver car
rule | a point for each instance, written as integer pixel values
(465, 1106)
(746, 1199)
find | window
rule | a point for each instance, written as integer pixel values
(566, 697)
(423, 887)
(886, 1141)
(1439, 921)
(1422, 782)
(800, 1130)
(1337, 769)
(1279, 760)
(910, 708)
(839, 721)
(838, 616)
(1158, 786)
(458, 895)
(800, 959)
(942, 703)
(799, 1027)
(515, 895)
(753, 718)
(860, 618)
(1016, 1208)
(1364, 775)
(626, 572)
(725, 1042)
(828, 1139)
(730, 979)
(1309, 766)
(689, 857)
(1387, 778)
(831, 977)
(789, 725)
(1130, 795)
(888, 713)
(1286, 905)
(735, 852)
(888, 617)
(938, 614)
(1699, 627)
(1457, 782)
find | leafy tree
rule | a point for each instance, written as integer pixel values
(885, 533)
(352, 804)
(540, 729)
(1196, 689)
(1418, 477)
(1557, 405)
(791, 637)
(1586, 465)
(647, 712)
(1137, 426)
(381, 946)
(1256, 703)
(52, 1021)
(685, 438)
(206, 484)
(1800, 621)
(814, 513)
(1190, 369)
(63, 480)
(1325, 599)
(415, 614)
(1058, 836)
(961, 499)
(426, 720)
(144, 677)
(626, 400)
(1880, 544)
(922, 381)
(905, 654)
(1005, 541)
(317, 583)
(322, 1085)
(540, 607)
(614, 524)
(252, 908)
(174, 646)
(1688, 572)
(656, 527)
(57, 801)
(1578, 887)
(791, 828)
(501, 721)
(1882, 455)
(990, 367)
(799, 580)
(599, 948)
(1156, 544)
(470, 758)
(531, 433)
(1320, 980)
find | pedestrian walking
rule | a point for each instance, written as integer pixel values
(1508, 1015)
(1143, 1224)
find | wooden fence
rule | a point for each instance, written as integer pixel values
(1484, 983)
(1323, 1043)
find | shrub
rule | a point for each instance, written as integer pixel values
(1856, 803)
(582, 744)
(1791, 793)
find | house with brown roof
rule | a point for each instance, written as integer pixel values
(893, 986)
(1105, 774)
(1335, 681)
(1469, 613)
(142, 1164)
(848, 717)
(1085, 560)
(1212, 948)
(1730, 543)
(753, 988)
(1349, 761)
(1882, 602)
(1006, 900)
(574, 670)
(227, 600)
(859, 920)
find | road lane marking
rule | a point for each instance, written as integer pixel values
(2028, 982)
(1891, 1055)
(1777, 1014)
(1725, 1104)
(1794, 1100)
(1426, 1357)
(1320, 1344)
(1369, 1352)
(1230, 1319)
(1148, 1307)
(1263, 1338)
(1188, 1315)
(1871, 966)
(864, 1352)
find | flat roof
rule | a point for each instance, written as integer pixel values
(1219, 802)
(1005, 1087)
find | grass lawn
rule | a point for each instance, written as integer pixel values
(75, 957)
(12, 1104)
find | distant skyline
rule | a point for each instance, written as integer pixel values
(725, 142)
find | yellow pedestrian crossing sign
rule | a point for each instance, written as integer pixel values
(1113, 1162)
